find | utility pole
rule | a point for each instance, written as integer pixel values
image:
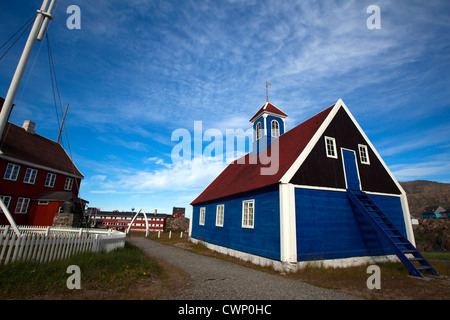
(37, 32)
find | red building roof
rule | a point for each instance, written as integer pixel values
(244, 174)
(24, 146)
(18, 144)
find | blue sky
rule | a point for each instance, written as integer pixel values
(138, 70)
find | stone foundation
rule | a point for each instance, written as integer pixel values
(66, 220)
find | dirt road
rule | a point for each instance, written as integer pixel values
(215, 279)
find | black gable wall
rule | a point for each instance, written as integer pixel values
(320, 171)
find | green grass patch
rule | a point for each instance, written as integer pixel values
(436, 255)
(99, 271)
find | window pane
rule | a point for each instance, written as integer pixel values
(330, 145)
(275, 129)
(11, 172)
(30, 176)
(22, 205)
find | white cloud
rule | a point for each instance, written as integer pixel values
(433, 170)
(187, 175)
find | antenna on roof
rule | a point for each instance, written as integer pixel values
(267, 91)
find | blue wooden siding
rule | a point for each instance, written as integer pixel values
(327, 227)
(263, 240)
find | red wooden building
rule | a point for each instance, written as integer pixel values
(121, 220)
(37, 177)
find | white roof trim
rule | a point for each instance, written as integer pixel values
(311, 144)
(256, 117)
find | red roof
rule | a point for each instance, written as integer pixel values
(268, 107)
(33, 148)
(243, 176)
(36, 149)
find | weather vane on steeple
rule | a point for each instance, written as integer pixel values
(267, 91)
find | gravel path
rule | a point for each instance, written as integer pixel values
(215, 279)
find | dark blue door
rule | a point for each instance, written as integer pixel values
(351, 170)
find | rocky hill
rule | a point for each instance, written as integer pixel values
(422, 193)
(433, 235)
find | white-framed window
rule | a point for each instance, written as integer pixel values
(6, 200)
(330, 145)
(201, 220)
(50, 180)
(30, 176)
(219, 215)
(363, 154)
(275, 128)
(11, 172)
(258, 131)
(248, 214)
(22, 205)
(68, 184)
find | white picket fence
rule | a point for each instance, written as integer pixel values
(44, 244)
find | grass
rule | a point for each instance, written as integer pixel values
(101, 273)
(396, 283)
(444, 256)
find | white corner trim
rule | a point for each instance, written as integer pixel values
(190, 221)
(407, 219)
(288, 229)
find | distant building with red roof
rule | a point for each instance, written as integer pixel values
(37, 177)
(286, 202)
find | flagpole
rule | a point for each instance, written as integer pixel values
(267, 91)
(40, 23)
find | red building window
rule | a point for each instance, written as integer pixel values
(30, 176)
(11, 172)
(22, 205)
(68, 184)
(50, 180)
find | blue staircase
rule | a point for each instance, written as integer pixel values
(387, 230)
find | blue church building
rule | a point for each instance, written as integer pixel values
(299, 212)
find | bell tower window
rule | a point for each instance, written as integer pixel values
(258, 131)
(275, 126)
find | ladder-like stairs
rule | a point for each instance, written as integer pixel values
(387, 230)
